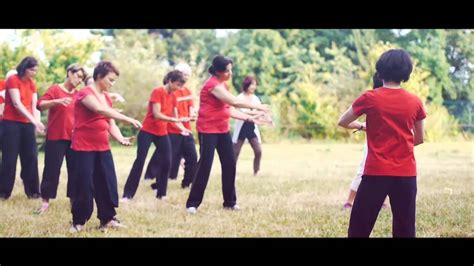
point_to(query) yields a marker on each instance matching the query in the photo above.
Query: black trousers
(162, 155)
(54, 153)
(95, 179)
(1, 140)
(181, 147)
(19, 139)
(209, 143)
(370, 197)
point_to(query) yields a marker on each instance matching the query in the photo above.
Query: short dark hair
(103, 68)
(394, 65)
(377, 81)
(27, 62)
(219, 64)
(174, 76)
(74, 68)
(247, 82)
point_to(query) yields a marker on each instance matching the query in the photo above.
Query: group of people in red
(80, 122)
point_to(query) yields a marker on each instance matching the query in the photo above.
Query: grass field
(299, 193)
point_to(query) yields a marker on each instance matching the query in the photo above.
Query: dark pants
(1, 140)
(19, 139)
(370, 197)
(162, 155)
(208, 143)
(54, 153)
(257, 151)
(181, 146)
(95, 179)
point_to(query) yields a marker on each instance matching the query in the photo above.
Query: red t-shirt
(60, 118)
(391, 115)
(2, 100)
(26, 88)
(2, 88)
(91, 130)
(214, 115)
(183, 110)
(167, 102)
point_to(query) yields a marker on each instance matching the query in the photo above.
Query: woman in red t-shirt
(59, 99)
(2, 105)
(20, 118)
(394, 126)
(215, 110)
(161, 111)
(94, 166)
(182, 142)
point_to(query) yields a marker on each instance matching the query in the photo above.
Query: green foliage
(439, 124)
(309, 76)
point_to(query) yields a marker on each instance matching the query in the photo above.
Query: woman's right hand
(265, 107)
(64, 101)
(186, 132)
(184, 119)
(39, 127)
(134, 122)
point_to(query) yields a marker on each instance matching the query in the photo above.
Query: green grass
(299, 193)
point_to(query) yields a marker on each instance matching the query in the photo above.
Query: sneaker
(114, 223)
(125, 200)
(163, 198)
(233, 208)
(346, 206)
(191, 210)
(76, 228)
(44, 207)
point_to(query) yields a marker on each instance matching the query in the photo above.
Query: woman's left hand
(127, 141)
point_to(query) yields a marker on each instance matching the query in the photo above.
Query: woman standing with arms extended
(216, 108)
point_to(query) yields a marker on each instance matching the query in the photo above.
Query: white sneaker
(76, 228)
(114, 223)
(191, 210)
(125, 200)
(234, 208)
(163, 198)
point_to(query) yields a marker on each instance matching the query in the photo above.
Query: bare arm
(46, 104)
(95, 106)
(157, 114)
(347, 120)
(250, 112)
(236, 114)
(222, 94)
(418, 132)
(185, 98)
(117, 135)
(36, 112)
(16, 100)
(192, 113)
(184, 131)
